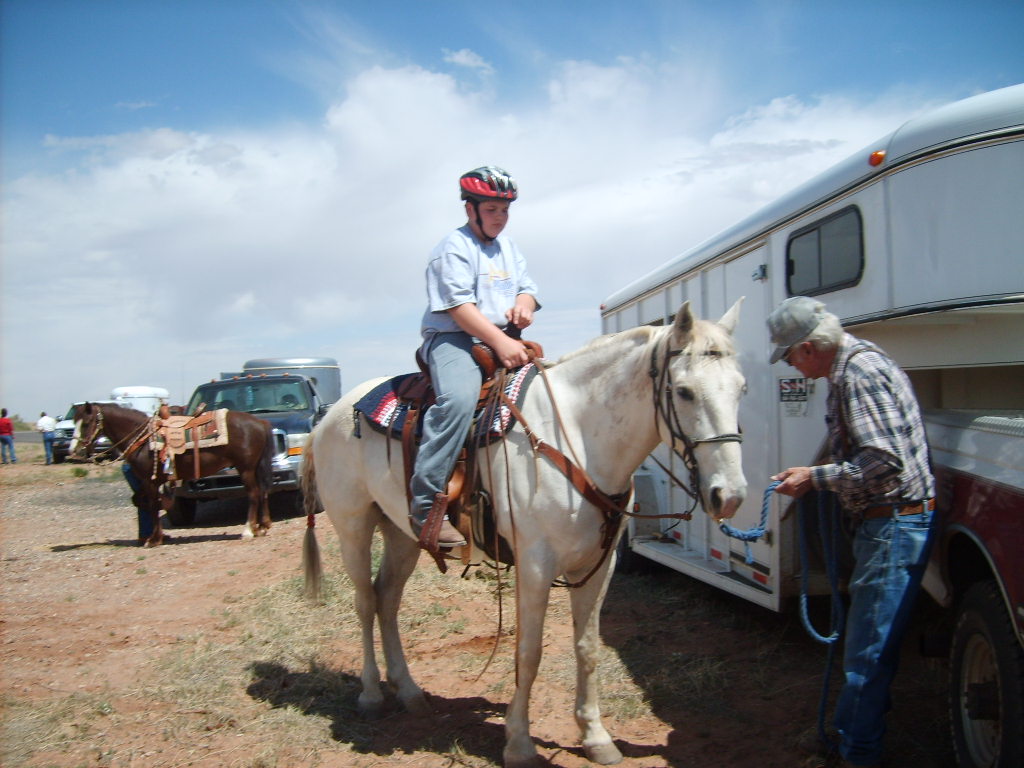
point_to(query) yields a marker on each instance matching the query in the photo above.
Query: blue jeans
(145, 516)
(457, 379)
(48, 445)
(7, 446)
(890, 556)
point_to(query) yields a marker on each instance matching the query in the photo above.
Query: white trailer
(916, 243)
(141, 398)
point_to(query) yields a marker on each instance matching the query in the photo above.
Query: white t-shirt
(462, 271)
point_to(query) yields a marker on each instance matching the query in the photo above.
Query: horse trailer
(917, 244)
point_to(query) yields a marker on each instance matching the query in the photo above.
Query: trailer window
(826, 255)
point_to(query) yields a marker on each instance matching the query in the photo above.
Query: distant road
(28, 437)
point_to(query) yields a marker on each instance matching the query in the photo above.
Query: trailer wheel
(986, 683)
(183, 512)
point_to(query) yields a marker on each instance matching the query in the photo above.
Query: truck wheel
(183, 512)
(986, 683)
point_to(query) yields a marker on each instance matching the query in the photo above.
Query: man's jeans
(7, 447)
(145, 517)
(890, 554)
(457, 379)
(48, 438)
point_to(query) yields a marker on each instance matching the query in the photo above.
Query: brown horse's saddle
(177, 434)
(171, 436)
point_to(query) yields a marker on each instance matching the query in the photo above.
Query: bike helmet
(488, 183)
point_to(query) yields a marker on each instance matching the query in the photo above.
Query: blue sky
(187, 185)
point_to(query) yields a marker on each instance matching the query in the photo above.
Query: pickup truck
(975, 571)
(293, 394)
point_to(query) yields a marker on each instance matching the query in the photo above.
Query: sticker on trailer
(793, 394)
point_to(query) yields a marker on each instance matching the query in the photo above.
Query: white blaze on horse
(607, 405)
(249, 449)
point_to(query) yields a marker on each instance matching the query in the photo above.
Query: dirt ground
(88, 616)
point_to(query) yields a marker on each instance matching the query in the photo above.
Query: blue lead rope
(755, 533)
(828, 529)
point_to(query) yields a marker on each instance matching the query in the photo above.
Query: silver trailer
(916, 243)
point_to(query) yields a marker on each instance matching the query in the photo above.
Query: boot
(434, 524)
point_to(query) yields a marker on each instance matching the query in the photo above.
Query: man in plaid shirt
(879, 469)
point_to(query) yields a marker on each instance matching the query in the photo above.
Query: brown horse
(249, 450)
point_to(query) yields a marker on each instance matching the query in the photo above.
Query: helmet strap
(480, 224)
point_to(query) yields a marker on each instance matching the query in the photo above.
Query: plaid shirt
(875, 433)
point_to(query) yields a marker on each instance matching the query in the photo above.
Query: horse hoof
(535, 761)
(417, 705)
(247, 533)
(370, 712)
(603, 754)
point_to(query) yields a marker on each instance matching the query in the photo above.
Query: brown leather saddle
(469, 507)
(175, 434)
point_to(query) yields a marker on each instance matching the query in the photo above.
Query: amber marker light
(876, 158)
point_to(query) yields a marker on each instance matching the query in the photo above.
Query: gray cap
(793, 320)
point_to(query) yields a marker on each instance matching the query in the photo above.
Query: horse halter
(665, 407)
(97, 430)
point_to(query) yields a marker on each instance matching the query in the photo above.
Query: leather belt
(899, 508)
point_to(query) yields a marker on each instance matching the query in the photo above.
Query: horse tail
(265, 471)
(311, 565)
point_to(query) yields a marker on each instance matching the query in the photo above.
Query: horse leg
(156, 502)
(533, 588)
(257, 521)
(401, 553)
(354, 528)
(586, 615)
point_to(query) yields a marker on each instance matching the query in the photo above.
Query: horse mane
(707, 339)
(639, 335)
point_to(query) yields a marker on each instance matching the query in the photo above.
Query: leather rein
(614, 506)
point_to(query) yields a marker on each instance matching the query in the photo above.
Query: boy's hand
(510, 352)
(521, 314)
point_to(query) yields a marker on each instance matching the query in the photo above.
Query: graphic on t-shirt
(500, 280)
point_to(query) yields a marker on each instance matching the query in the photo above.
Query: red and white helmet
(488, 183)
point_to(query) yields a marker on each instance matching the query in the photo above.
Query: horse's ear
(732, 316)
(683, 324)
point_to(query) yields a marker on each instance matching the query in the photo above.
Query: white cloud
(164, 257)
(469, 59)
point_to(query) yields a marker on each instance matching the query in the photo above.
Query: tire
(986, 683)
(183, 512)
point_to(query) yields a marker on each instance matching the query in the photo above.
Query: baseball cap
(793, 320)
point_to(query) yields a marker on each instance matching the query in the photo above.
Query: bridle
(88, 440)
(665, 407)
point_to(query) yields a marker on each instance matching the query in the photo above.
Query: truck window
(826, 255)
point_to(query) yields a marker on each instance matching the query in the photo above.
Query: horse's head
(88, 418)
(697, 389)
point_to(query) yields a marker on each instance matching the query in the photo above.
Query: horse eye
(685, 392)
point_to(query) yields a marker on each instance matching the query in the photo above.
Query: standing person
(477, 283)
(7, 438)
(48, 426)
(879, 469)
(144, 515)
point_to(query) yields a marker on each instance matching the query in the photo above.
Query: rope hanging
(755, 533)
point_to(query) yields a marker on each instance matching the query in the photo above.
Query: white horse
(607, 405)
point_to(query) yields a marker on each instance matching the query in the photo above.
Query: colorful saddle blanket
(386, 411)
